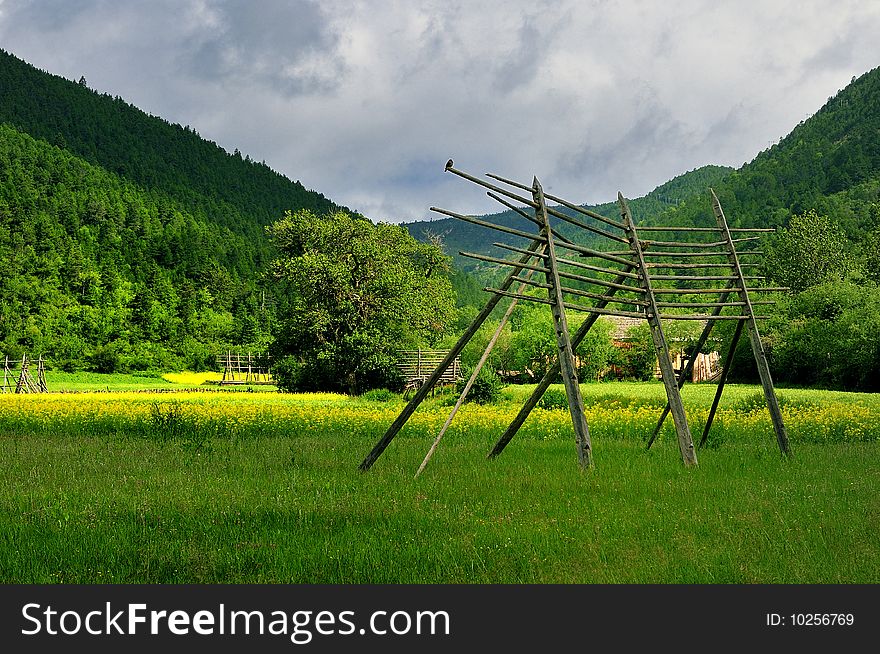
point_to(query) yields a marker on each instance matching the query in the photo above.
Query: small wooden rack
(245, 368)
(417, 365)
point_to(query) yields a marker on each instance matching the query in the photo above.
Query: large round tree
(357, 293)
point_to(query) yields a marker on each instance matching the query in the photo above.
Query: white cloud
(365, 101)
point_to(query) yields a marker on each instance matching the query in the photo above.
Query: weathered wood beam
(660, 228)
(697, 316)
(563, 342)
(576, 264)
(595, 253)
(687, 266)
(657, 253)
(564, 203)
(703, 278)
(684, 244)
(697, 291)
(485, 223)
(754, 336)
(567, 305)
(697, 305)
(587, 294)
(685, 440)
(562, 273)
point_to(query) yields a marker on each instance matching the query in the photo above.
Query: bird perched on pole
(449, 164)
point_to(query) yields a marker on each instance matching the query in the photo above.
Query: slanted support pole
(422, 392)
(566, 352)
(551, 374)
(473, 378)
(728, 360)
(689, 367)
(685, 440)
(21, 385)
(754, 336)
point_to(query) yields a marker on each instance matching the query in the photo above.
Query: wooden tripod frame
(636, 276)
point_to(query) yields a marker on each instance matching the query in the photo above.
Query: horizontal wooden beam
(503, 262)
(704, 278)
(596, 253)
(541, 269)
(722, 253)
(576, 264)
(564, 203)
(567, 305)
(697, 316)
(581, 293)
(684, 266)
(717, 230)
(484, 223)
(685, 244)
(687, 305)
(692, 291)
(616, 312)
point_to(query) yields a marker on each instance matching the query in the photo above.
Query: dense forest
(130, 243)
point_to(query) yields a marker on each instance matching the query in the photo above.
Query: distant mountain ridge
(457, 235)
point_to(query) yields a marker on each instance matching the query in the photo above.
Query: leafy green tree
(359, 293)
(810, 251)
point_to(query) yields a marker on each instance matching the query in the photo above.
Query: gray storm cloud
(365, 101)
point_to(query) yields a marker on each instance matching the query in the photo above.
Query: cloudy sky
(365, 101)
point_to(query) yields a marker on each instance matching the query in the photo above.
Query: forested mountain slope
(227, 189)
(127, 241)
(836, 149)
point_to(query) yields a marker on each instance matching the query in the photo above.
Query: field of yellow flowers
(225, 486)
(612, 413)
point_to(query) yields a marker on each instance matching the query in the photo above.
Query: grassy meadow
(233, 487)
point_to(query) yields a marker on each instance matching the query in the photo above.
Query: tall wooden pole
(754, 336)
(685, 440)
(721, 381)
(566, 352)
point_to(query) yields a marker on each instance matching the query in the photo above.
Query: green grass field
(263, 487)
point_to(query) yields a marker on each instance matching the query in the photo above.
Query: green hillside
(98, 272)
(834, 152)
(201, 176)
(127, 242)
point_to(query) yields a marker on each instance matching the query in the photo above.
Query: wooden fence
(417, 365)
(245, 368)
(17, 377)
